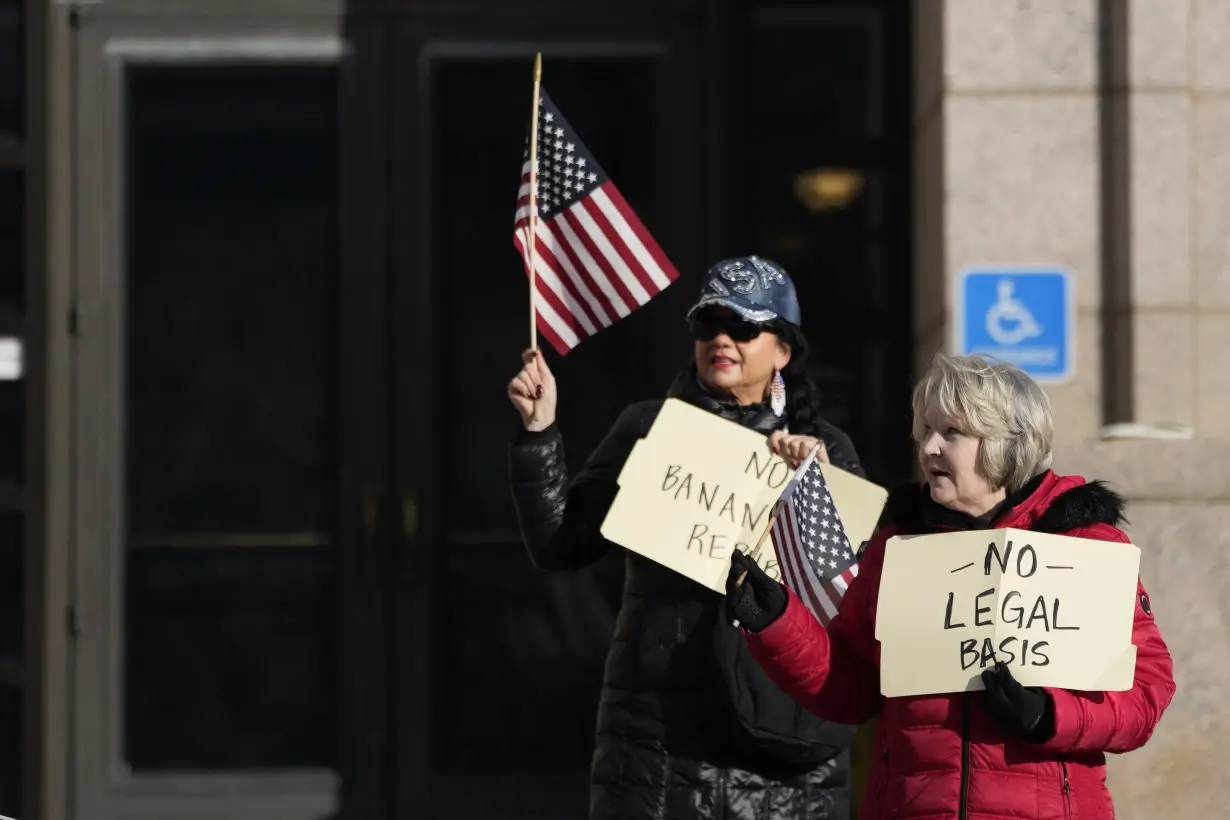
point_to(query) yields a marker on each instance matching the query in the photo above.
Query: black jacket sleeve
(560, 519)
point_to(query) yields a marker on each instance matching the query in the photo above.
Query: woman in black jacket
(689, 726)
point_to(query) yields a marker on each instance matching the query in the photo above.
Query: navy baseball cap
(758, 290)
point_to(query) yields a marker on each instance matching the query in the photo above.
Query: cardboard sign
(1057, 610)
(697, 487)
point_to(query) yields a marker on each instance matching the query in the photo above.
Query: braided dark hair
(802, 395)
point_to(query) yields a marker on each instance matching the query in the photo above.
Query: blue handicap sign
(1018, 315)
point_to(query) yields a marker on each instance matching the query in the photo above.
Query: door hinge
(74, 321)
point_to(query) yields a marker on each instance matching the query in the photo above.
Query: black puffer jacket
(689, 727)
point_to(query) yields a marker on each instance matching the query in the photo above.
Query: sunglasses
(706, 328)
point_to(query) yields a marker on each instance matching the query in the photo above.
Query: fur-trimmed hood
(1049, 503)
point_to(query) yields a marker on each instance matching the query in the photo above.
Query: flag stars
(815, 531)
(564, 167)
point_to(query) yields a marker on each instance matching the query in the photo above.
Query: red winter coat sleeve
(1118, 721)
(833, 673)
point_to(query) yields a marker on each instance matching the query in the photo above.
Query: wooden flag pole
(755, 553)
(777, 508)
(533, 221)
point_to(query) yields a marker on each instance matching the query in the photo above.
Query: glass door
(229, 419)
(499, 667)
(826, 192)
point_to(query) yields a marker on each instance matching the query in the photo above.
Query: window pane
(829, 245)
(855, 376)
(12, 239)
(814, 75)
(811, 196)
(543, 636)
(12, 576)
(10, 752)
(12, 77)
(232, 207)
(823, 188)
(230, 646)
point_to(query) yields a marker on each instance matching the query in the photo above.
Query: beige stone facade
(1094, 135)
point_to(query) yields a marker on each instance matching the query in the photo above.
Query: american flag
(815, 556)
(595, 261)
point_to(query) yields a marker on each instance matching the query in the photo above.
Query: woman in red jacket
(984, 433)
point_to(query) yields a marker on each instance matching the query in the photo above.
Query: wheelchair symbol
(1008, 321)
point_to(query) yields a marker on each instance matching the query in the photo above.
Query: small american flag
(815, 556)
(595, 262)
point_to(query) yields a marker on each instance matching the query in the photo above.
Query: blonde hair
(995, 402)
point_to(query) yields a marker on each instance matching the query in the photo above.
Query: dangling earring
(777, 393)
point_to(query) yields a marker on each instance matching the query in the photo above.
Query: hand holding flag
(815, 556)
(814, 553)
(533, 392)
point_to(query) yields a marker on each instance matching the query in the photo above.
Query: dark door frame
(102, 42)
(514, 33)
(43, 328)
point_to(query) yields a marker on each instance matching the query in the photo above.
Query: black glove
(759, 601)
(1029, 712)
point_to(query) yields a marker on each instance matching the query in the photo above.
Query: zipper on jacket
(1067, 789)
(965, 710)
(882, 781)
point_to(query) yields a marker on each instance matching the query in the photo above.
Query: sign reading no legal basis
(698, 487)
(1057, 610)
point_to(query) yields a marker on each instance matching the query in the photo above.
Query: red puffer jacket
(942, 757)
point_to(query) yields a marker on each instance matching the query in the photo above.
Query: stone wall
(1012, 164)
